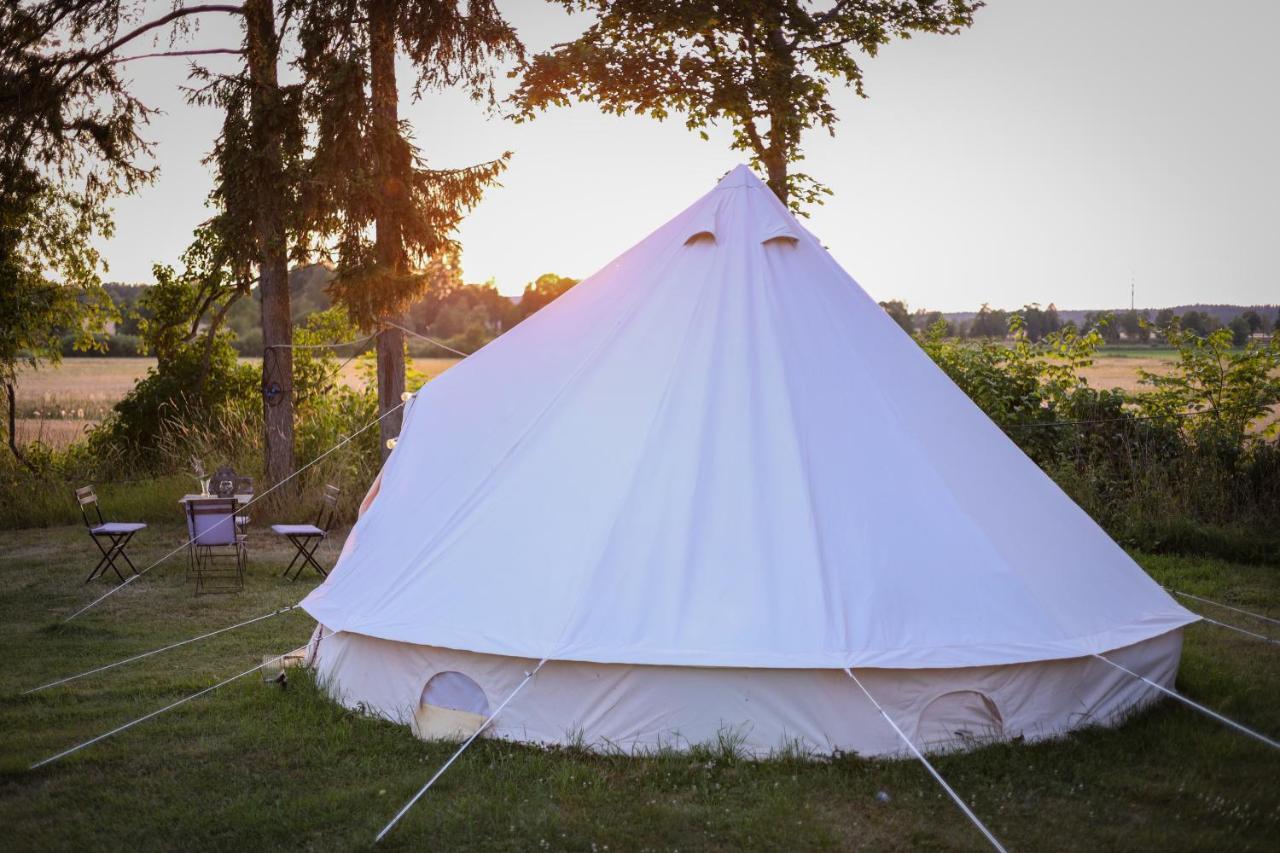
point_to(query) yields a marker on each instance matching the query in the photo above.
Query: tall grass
(1182, 504)
(148, 490)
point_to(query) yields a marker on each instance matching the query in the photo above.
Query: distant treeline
(467, 316)
(1126, 325)
(461, 316)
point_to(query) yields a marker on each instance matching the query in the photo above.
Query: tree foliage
(989, 323)
(1136, 327)
(1227, 390)
(897, 309)
(197, 373)
(766, 67)
(190, 307)
(359, 174)
(1038, 322)
(1020, 381)
(240, 167)
(541, 292)
(68, 124)
(69, 140)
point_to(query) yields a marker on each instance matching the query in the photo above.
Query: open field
(253, 767)
(84, 389)
(57, 403)
(1123, 371)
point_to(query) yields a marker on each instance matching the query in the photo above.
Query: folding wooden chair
(307, 537)
(111, 537)
(217, 550)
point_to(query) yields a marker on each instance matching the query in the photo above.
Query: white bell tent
(700, 485)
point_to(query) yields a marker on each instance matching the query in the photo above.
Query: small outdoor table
(240, 499)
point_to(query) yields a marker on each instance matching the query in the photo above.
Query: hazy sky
(1049, 154)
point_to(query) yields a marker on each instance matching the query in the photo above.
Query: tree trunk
(262, 51)
(390, 383)
(13, 426)
(784, 132)
(388, 243)
(776, 165)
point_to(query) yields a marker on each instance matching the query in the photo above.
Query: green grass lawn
(254, 767)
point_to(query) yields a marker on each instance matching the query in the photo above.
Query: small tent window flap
(778, 232)
(959, 717)
(701, 226)
(456, 692)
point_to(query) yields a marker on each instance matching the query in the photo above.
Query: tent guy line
(1244, 631)
(160, 711)
(138, 657)
(995, 842)
(239, 510)
(405, 808)
(1196, 705)
(442, 346)
(333, 345)
(1258, 616)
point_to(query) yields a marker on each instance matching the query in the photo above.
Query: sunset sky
(1052, 153)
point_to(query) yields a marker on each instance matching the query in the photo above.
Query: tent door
(959, 719)
(452, 707)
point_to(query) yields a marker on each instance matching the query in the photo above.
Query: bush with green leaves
(1023, 385)
(1215, 391)
(1184, 466)
(197, 379)
(194, 385)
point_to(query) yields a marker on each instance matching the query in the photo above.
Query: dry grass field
(1124, 370)
(57, 404)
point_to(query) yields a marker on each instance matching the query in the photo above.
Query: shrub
(1181, 467)
(182, 390)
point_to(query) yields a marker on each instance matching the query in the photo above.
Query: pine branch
(90, 59)
(212, 50)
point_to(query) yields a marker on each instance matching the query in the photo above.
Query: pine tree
(366, 171)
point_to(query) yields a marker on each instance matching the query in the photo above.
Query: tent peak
(767, 220)
(741, 176)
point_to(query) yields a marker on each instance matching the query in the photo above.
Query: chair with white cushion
(216, 547)
(111, 537)
(307, 537)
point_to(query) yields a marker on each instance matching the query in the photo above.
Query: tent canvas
(703, 482)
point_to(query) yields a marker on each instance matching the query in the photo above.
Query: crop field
(56, 404)
(252, 767)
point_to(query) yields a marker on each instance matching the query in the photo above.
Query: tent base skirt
(758, 712)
